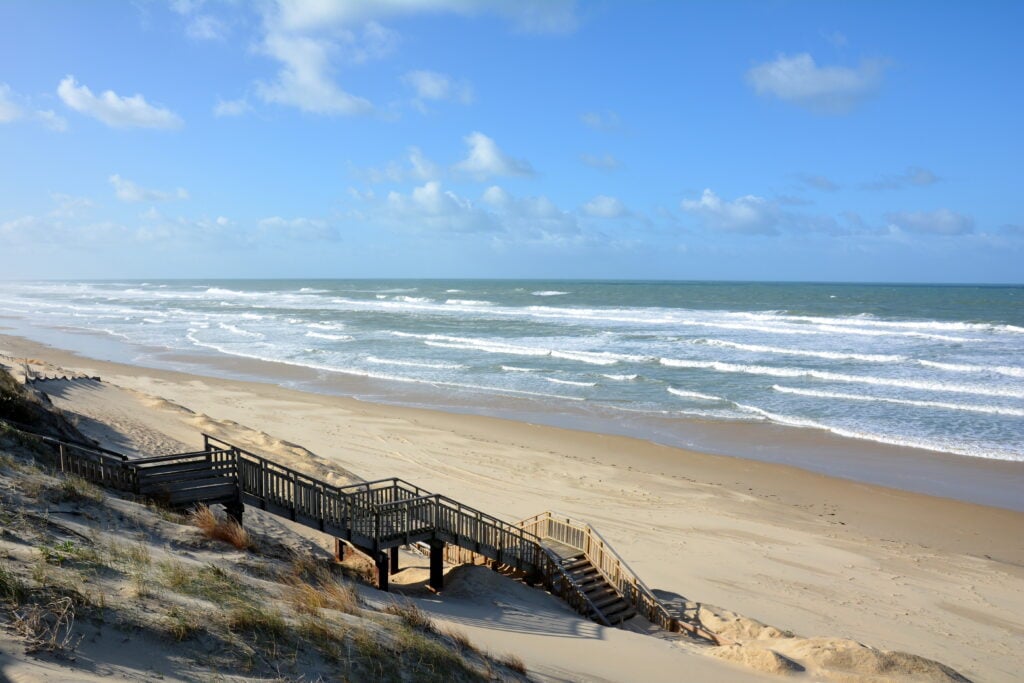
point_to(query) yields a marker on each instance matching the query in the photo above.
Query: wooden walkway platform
(569, 558)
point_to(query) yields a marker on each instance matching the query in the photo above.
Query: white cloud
(818, 182)
(531, 16)
(939, 222)
(748, 214)
(486, 160)
(115, 110)
(830, 89)
(231, 107)
(914, 176)
(416, 167)
(293, 228)
(52, 120)
(603, 206)
(605, 122)
(69, 206)
(127, 191)
(206, 27)
(430, 208)
(431, 85)
(304, 79)
(11, 110)
(602, 161)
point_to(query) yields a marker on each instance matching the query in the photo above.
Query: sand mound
(845, 660)
(736, 627)
(760, 659)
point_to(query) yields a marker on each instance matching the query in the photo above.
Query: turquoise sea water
(935, 367)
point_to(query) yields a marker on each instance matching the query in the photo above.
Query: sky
(859, 141)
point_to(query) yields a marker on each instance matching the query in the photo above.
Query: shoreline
(976, 480)
(799, 550)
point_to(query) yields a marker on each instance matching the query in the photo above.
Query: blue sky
(768, 140)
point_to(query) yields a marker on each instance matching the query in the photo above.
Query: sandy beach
(801, 551)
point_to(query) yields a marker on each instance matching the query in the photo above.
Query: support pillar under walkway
(436, 581)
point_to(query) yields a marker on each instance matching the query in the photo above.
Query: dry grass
(459, 639)
(512, 662)
(74, 489)
(221, 529)
(411, 615)
(49, 627)
(325, 592)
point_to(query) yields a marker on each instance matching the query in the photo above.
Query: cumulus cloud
(914, 176)
(432, 85)
(416, 166)
(748, 214)
(486, 160)
(115, 110)
(818, 182)
(604, 162)
(305, 78)
(430, 208)
(603, 206)
(827, 89)
(939, 222)
(127, 191)
(605, 122)
(231, 107)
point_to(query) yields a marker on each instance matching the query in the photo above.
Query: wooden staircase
(568, 557)
(610, 606)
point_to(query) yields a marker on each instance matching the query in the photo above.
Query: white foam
(239, 331)
(512, 368)
(693, 394)
(550, 293)
(414, 364)
(973, 408)
(719, 366)
(621, 378)
(1008, 370)
(570, 382)
(414, 299)
(830, 355)
(323, 325)
(868, 320)
(940, 445)
(330, 337)
(468, 302)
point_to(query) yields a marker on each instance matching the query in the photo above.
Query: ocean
(939, 368)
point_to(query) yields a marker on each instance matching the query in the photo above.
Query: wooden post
(382, 571)
(339, 550)
(63, 466)
(436, 565)
(394, 560)
(235, 510)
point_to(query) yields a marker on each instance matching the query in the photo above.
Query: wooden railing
(374, 515)
(586, 539)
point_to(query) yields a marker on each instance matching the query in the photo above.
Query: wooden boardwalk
(569, 558)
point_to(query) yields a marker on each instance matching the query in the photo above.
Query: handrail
(644, 599)
(98, 450)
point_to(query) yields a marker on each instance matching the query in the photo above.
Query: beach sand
(804, 552)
